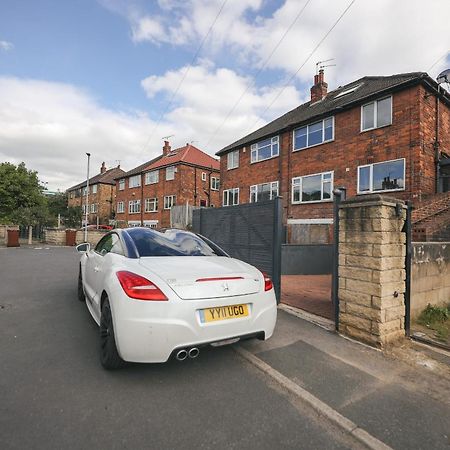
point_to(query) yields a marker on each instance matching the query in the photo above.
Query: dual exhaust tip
(183, 354)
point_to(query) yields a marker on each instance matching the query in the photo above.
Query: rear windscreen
(171, 243)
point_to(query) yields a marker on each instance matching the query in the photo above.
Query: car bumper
(151, 331)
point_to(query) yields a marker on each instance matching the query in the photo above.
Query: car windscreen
(171, 243)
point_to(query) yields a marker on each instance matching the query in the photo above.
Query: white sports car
(155, 294)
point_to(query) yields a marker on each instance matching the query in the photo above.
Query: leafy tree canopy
(22, 200)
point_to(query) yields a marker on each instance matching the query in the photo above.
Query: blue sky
(98, 75)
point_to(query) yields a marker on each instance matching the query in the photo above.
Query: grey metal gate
(251, 232)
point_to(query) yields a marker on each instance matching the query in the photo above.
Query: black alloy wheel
(109, 356)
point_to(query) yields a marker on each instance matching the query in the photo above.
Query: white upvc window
(269, 148)
(83, 209)
(231, 197)
(134, 223)
(93, 207)
(134, 206)
(215, 183)
(376, 114)
(170, 173)
(152, 177)
(134, 181)
(85, 190)
(121, 184)
(203, 176)
(263, 192)
(382, 176)
(151, 204)
(233, 160)
(120, 207)
(317, 187)
(151, 223)
(94, 188)
(169, 201)
(314, 134)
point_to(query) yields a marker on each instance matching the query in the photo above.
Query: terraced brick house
(186, 175)
(378, 134)
(102, 191)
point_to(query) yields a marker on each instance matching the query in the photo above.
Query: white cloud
(50, 126)
(376, 38)
(6, 46)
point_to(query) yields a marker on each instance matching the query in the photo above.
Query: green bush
(432, 314)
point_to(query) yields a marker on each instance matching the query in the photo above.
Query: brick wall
(187, 186)
(410, 136)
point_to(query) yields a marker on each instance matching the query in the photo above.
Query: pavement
(306, 387)
(400, 398)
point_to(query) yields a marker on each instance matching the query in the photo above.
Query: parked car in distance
(157, 294)
(98, 227)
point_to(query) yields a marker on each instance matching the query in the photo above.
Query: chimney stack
(166, 148)
(319, 90)
(103, 168)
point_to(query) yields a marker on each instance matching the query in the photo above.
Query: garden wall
(430, 276)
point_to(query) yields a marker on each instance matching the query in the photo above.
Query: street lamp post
(87, 199)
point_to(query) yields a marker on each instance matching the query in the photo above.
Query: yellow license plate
(223, 313)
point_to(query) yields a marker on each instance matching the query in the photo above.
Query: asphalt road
(55, 394)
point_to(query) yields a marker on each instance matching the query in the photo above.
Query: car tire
(81, 296)
(109, 356)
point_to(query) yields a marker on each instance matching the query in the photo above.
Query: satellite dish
(444, 77)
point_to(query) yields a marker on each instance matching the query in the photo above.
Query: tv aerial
(321, 64)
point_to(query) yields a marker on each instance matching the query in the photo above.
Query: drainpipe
(142, 199)
(436, 145)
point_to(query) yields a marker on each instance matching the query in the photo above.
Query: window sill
(381, 192)
(375, 128)
(312, 202)
(262, 160)
(232, 168)
(150, 212)
(312, 146)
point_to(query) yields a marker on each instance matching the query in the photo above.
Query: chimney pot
(103, 168)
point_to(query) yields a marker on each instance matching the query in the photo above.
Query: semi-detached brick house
(182, 176)
(388, 134)
(102, 190)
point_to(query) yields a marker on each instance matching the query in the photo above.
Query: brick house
(102, 190)
(378, 134)
(186, 175)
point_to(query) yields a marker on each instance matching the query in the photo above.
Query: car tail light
(139, 287)
(268, 285)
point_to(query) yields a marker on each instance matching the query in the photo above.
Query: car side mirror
(84, 247)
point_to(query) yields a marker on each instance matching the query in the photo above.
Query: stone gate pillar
(372, 249)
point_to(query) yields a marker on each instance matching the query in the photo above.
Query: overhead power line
(438, 60)
(188, 68)
(252, 83)
(304, 62)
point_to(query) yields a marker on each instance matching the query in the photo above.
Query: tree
(22, 200)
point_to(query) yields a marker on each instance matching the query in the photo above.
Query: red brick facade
(192, 184)
(411, 136)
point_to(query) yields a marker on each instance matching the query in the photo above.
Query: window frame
(255, 149)
(94, 188)
(173, 201)
(260, 184)
(149, 201)
(294, 149)
(375, 111)
(301, 202)
(371, 191)
(134, 177)
(135, 203)
(122, 184)
(203, 176)
(147, 177)
(213, 181)
(227, 191)
(173, 170)
(234, 152)
(94, 208)
(122, 209)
